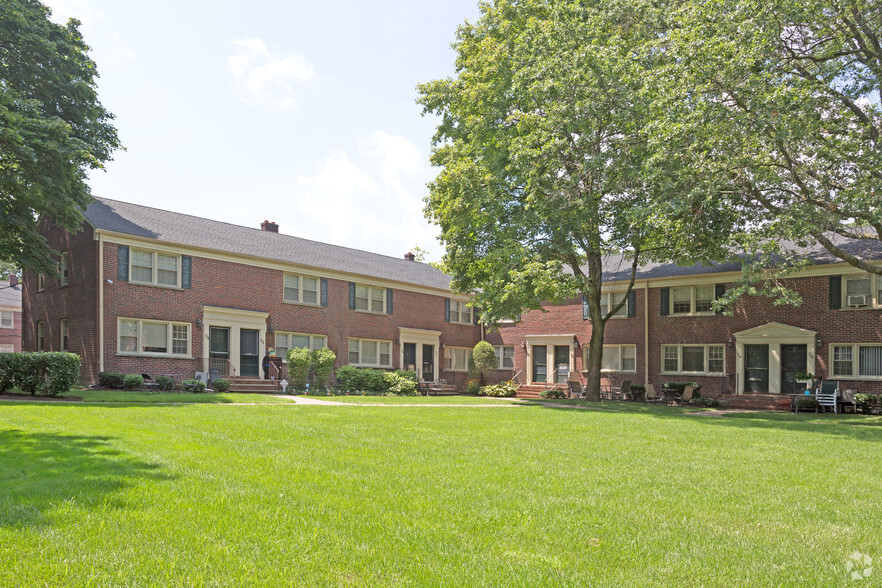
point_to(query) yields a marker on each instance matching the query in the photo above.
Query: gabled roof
(183, 229)
(10, 297)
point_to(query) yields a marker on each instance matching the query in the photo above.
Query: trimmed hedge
(112, 380)
(501, 390)
(221, 385)
(371, 382)
(553, 393)
(47, 374)
(133, 381)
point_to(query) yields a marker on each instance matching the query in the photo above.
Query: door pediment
(776, 331)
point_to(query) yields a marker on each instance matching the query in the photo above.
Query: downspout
(100, 302)
(646, 332)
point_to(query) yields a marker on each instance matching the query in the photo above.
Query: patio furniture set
(626, 392)
(828, 397)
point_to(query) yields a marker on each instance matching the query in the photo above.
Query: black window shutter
(632, 304)
(352, 295)
(388, 300)
(447, 310)
(324, 292)
(186, 271)
(123, 271)
(719, 292)
(665, 301)
(586, 313)
(475, 315)
(835, 292)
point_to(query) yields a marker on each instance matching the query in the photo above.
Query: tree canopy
(776, 105)
(53, 129)
(545, 175)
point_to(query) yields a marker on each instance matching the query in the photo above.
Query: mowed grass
(193, 495)
(428, 400)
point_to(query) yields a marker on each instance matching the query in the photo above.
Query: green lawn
(200, 494)
(139, 396)
(466, 400)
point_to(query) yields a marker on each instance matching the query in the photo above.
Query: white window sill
(151, 285)
(295, 303)
(618, 371)
(374, 312)
(366, 365)
(857, 378)
(702, 374)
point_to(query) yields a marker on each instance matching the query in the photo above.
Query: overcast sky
(298, 112)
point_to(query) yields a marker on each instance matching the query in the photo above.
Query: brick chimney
(409, 256)
(269, 227)
(13, 280)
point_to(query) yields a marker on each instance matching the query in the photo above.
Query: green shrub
(39, 373)
(310, 369)
(709, 402)
(221, 385)
(808, 404)
(409, 375)
(132, 381)
(473, 387)
(484, 358)
(553, 393)
(866, 403)
(194, 385)
(112, 380)
(501, 390)
(398, 385)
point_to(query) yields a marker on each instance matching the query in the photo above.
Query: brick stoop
(244, 384)
(533, 390)
(756, 401)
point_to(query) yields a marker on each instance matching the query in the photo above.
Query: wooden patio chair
(149, 383)
(685, 397)
(574, 384)
(653, 396)
(847, 400)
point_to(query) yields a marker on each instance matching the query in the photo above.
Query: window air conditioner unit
(857, 301)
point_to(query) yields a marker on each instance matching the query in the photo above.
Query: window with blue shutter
(665, 301)
(324, 292)
(388, 300)
(835, 292)
(352, 295)
(447, 310)
(632, 304)
(123, 263)
(186, 271)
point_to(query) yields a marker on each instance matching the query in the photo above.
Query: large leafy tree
(53, 129)
(777, 103)
(544, 183)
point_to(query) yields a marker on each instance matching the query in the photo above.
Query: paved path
(722, 413)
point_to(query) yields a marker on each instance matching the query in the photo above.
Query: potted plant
(805, 378)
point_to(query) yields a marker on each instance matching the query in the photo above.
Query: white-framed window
(856, 360)
(41, 336)
(862, 291)
(692, 300)
(370, 298)
(152, 267)
(693, 359)
(370, 353)
(41, 282)
(7, 319)
(460, 312)
(617, 358)
(286, 341)
(148, 337)
(456, 359)
(62, 334)
(504, 357)
(7, 348)
(607, 298)
(64, 268)
(301, 289)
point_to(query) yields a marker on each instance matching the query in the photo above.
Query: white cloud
(82, 10)
(265, 79)
(371, 200)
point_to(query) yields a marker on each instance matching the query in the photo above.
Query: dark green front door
(756, 368)
(794, 360)
(540, 364)
(249, 352)
(561, 363)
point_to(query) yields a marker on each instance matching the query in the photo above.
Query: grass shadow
(39, 472)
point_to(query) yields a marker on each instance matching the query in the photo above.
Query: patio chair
(685, 397)
(575, 386)
(625, 391)
(848, 400)
(653, 396)
(828, 396)
(149, 383)
(213, 374)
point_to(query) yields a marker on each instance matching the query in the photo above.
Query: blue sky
(302, 113)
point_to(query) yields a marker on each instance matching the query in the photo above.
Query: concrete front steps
(756, 401)
(245, 384)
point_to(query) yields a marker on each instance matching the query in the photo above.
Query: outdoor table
(794, 400)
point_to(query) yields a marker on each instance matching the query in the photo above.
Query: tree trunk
(595, 355)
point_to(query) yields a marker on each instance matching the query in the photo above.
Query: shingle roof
(10, 296)
(618, 268)
(184, 229)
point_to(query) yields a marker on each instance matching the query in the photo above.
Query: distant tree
(545, 163)
(53, 130)
(6, 269)
(776, 105)
(421, 255)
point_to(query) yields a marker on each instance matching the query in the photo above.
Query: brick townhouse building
(148, 290)
(10, 315)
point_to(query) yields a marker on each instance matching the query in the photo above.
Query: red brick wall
(12, 336)
(77, 302)
(234, 285)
